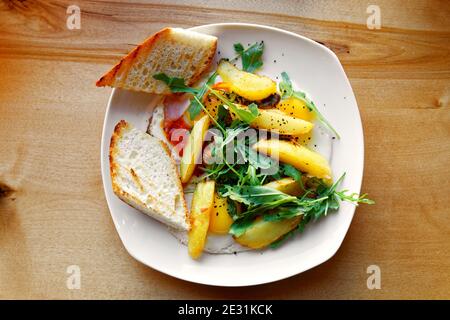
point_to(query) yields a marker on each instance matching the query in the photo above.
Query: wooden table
(52, 209)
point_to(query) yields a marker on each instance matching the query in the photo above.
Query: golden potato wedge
(296, 155)
(303, 139)
(296, 108)
(202, 203)
(286, 185)
(247, 85)
(212, 104)
(277, 121)
(220, 220)
(193, 149)
(262, 233)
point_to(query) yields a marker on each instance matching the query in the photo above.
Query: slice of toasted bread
(174, 51)
(145, 176)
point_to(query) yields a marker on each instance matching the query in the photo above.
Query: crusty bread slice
(145, 176)
(174, 51)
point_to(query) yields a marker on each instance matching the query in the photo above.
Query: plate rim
(327, 255)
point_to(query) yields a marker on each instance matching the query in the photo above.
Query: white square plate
(316, 70)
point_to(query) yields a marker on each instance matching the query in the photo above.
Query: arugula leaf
(232, 209)
(354, 197)
(239, 48)
(283, 212)
(195, 106)
(175, 84)
(250, 177)
(259, 197)
(224, 172)
(285, 87)
(244, 115)
(255, 159)
(274, 205)
(295, 174)
(292, 172)
(251, 57)
(232, 133)
(222, 116)
(247, 169)
(239, 227)
(253, 109)
(178, 85)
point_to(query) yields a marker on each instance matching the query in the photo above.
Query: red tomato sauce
(180, 139)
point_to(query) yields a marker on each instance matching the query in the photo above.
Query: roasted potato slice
(212, 104)
(193, 149)
(262, 233)
(303, 139)
(277, 121)
(220, 221)
(296, 108)
(248, 85)
(296, 155)
(202, 203)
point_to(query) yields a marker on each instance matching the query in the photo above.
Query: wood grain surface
(52, 208)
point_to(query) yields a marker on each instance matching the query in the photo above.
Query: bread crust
(125, 63)
(122, 68)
